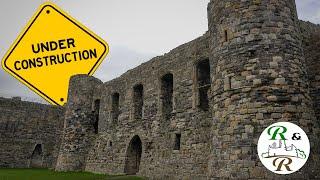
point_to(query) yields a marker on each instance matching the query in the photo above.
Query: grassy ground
(45, 174)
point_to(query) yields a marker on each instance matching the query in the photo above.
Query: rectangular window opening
(226, 38)
(177, 142)
(167, 95)
(115, 106)
(203, 84)
(96, 115)
(138, 101)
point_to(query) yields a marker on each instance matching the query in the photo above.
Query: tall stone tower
(80, 124)
(259, 78)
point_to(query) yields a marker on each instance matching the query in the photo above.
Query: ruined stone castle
(194, 113)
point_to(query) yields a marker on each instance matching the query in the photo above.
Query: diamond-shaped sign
(52, 48)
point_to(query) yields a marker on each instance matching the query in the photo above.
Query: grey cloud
(309, 10)
(119, 60)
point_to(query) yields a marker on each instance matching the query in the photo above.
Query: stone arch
(36, 157)
(133, 156)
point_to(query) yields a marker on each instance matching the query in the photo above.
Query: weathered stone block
(280, 81)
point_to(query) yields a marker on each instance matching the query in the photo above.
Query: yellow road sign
(53, 47)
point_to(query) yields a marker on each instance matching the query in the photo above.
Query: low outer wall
(23, 125)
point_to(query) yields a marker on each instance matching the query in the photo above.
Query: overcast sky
(136, 30)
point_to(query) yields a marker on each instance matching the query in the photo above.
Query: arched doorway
(36, 157)
(133, 156)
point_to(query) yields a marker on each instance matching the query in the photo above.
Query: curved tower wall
(79, 125)
(259, 79)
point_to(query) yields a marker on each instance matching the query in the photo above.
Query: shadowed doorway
(36, 157)
(133, 156)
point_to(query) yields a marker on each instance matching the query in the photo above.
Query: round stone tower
(80, 126)
(259, 78)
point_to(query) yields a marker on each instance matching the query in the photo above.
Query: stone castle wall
(197, 111)
(24, 125)
(260, 78)
(79, 124)
(156, 131)
(311, 43)
(261, 100)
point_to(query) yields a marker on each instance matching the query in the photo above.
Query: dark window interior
(177, 142)
(226, 38)
(115, 106)
(203, 83)
(167, 95)
(138, 100)
(96, 115)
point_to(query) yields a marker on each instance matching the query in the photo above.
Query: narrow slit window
(138, 101)
(96, 115)
(226, 38)
(177, 142)
(115, 106)
(167, 95)
(203, 83)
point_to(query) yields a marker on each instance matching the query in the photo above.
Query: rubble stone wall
(260, 78)
(23, 125)
(194, 113)
(157, 132)
(311, 43)
(262, 70)
(79, 129)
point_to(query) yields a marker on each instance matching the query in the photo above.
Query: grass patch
(45, 174)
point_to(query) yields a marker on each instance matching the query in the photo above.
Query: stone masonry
(30, 134)
(196, 112)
